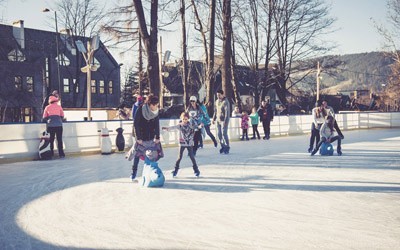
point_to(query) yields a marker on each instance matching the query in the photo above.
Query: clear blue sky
(355, 31)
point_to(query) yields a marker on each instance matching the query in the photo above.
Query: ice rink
(264, 195)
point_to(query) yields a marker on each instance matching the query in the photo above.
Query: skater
(207, 123)
(53, 115)
(236, 112)
(135, 107)
(318, 114)
(254, 123)
(147, 126)
(122, 113)
(330, 111)
(196, 114)
(327, 135)
(245, 126)
(266, 117)
(221, 116)
(186, 129)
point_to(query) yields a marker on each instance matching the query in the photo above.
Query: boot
(196, 171)
(175, 172)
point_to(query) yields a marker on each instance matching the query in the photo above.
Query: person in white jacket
(318, 114)
(327, 133)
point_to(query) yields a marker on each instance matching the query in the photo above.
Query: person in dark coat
(147, 126)
(266, 116)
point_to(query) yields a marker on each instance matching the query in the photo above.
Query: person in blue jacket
(207, 123)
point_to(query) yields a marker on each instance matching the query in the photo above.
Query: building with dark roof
(31, 67)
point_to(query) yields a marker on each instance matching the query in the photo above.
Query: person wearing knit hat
(53, 115)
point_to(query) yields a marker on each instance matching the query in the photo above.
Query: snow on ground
(264, 195)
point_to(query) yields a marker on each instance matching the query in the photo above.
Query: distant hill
(365, 71)
(342, 73)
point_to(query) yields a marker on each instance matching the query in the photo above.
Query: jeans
(223, 134)
(56, 131)
(208, 131)
(191, 155)
(255, 131)
(267, 127)
(314, 135)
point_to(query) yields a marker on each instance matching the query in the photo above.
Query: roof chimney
(19, 33)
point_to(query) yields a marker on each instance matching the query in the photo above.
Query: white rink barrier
(21, 141)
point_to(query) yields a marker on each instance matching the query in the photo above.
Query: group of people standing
(263, 114)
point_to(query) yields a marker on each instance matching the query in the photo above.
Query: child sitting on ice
(186, 129)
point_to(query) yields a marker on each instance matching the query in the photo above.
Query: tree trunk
(227, 50)
(150, 43)
(184, 57)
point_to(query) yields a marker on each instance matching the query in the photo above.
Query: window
(66, 85)
(64, 61)
(101, 87)
(29, 83)
(93, 86)
(18, 83)
(96, 62)
(110, 87)
(16, 56)
(77, 85)
(27, 114)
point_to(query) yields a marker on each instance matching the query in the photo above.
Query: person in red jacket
(53, 115)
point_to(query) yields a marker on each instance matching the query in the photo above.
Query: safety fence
(21, 141)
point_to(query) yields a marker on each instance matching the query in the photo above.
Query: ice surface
(264, 195)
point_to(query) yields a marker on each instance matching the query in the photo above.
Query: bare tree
(391, 37)
(227, 49)
(209, 49)
(81, 18)
(150, 40)
(184, 55)
(298, 26)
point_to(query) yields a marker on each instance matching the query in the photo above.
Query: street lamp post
(92, 46)
(58, 54)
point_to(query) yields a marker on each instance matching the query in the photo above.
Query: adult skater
(221, 116)
(196, 114)
(331, 112)
(207, 123)
(147, 126)
(327, 135)
(266, 116)
(135, 107)
(53, 115)
(318, 114)
(186, 129)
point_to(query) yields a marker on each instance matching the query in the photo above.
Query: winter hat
(193, 98)
(53, 99)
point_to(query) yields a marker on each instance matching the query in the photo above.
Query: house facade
(33, 63)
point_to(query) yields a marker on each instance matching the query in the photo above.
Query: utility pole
(140, 64)
(318, 75)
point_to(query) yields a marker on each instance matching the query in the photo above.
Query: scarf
(147, 113)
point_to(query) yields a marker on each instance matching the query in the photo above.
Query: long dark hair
(330, 121)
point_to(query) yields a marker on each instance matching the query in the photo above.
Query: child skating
(245, 126)
(186, 134)
(254, 123)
